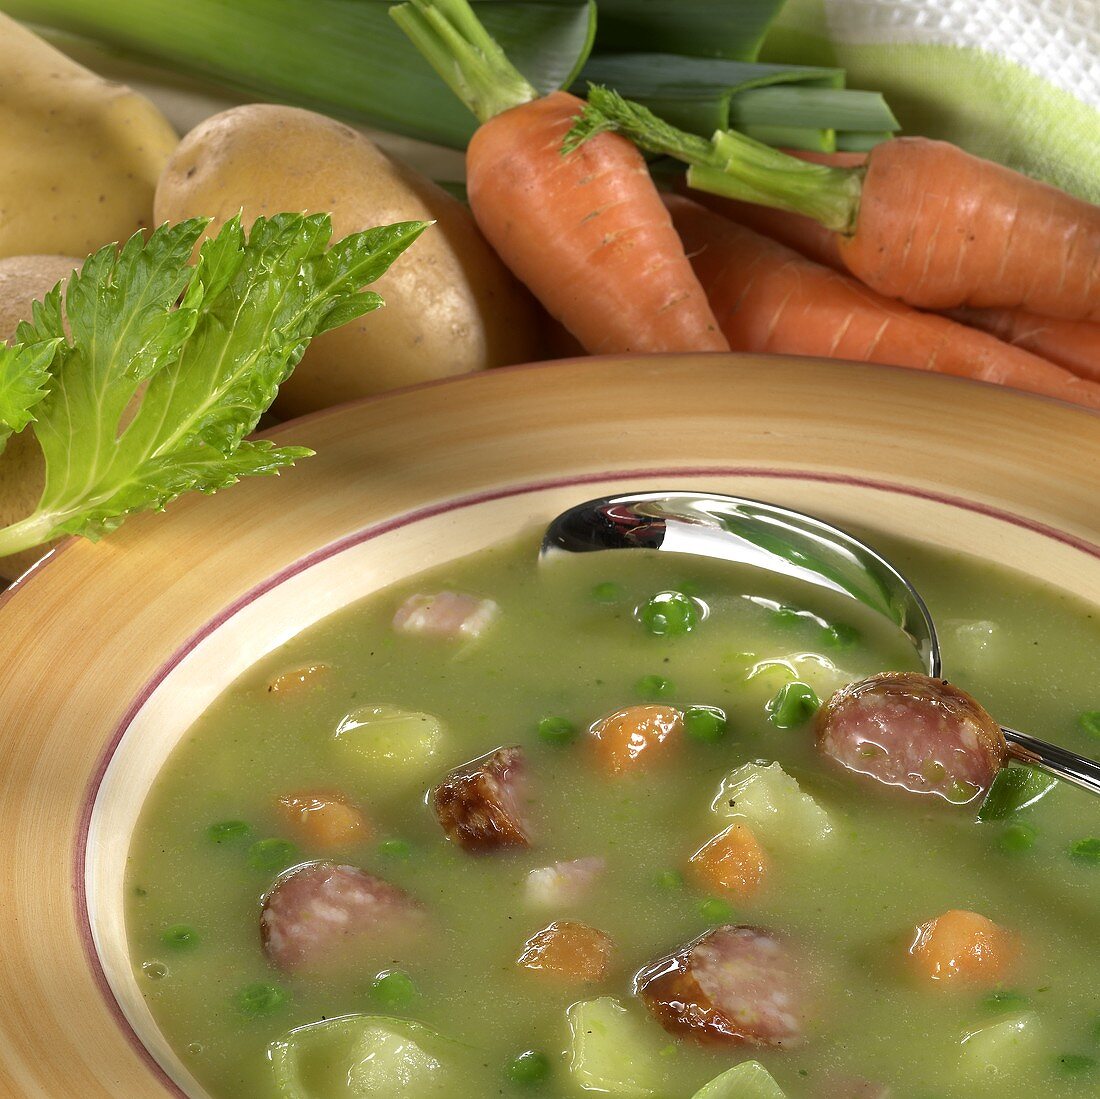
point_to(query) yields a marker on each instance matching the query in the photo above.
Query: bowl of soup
(328, 787)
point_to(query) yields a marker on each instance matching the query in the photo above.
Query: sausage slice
(923, 735)
(315, 909)
(735, 985)
(480, 804)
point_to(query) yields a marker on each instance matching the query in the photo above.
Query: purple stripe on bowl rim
(368, 534)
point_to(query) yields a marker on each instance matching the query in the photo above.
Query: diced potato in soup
(571, 830)
(770, 801)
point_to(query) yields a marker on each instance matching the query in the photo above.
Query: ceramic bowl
(109, 652)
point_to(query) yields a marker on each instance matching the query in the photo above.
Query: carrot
(323, 821)
(732, 862)
(631, 739)
(297, 680)
(923, 221)
(963, 947)
(587, 233)
(568, 951)
(769, 298)
(1072, 344)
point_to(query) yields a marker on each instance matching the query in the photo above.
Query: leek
(733, 29)
(344, 57)
(801, 106)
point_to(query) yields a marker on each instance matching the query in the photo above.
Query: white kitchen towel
(1015, 80)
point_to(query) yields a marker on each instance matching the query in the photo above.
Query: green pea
(529, 1067)
(393, 990)
(272, 854)
(395, 849)
(705, 723)
(1003, 1000)
(557, 730)
(226, 831)
(607, 592)
(1017, 838)
(669, 614)
(1086, 850)
(653, 687)
(714, 910)
(840, 636)
(1089, 722)
(1075, 1064)
(794, 704)
(179, 937)
(669, 879)
(261, 999)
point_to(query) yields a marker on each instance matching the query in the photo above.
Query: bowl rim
(38, 584)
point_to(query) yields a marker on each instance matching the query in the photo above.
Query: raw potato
(81, 155)
(451, 305)
(23, 280)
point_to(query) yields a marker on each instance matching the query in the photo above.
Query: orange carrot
(632, 739)
(297, 680)
(769, 298)
(587, 233)
(732, 862)
(568, 951)
(323, 821)
(963, 947)
(923, 221)
(940, 228)
(1072, 344)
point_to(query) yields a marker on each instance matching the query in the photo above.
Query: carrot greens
(728, 163)
(165, 366)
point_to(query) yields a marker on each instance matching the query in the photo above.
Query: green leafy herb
(1013, 789)
(24, 375)
(170, 365)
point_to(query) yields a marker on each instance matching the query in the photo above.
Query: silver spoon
(749, 532)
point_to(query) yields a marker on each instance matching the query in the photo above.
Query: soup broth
(573, 641)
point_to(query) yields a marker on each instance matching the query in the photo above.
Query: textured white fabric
(1058, 40)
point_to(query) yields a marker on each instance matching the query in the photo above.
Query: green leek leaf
(733, 29)
(1013, 789)
(343, 57)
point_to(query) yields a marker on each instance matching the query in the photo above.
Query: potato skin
(451, 305)
(81, 155)
(23, 280)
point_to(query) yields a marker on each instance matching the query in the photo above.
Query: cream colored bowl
(109, 652)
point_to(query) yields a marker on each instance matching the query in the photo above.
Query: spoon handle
(1056, 761)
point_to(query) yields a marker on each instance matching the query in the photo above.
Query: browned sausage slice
(480, 804)
(737, 985)
(920, 734)
(319, 907)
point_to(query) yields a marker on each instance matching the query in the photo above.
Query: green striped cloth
(1014, 80)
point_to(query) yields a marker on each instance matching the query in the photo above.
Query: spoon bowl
(792, 544)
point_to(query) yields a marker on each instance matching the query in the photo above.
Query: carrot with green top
(1074, 345)
(768, 298)
(587, 234)
(922, 221)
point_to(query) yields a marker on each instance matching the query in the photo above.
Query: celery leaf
(24, 378)
(170, 365)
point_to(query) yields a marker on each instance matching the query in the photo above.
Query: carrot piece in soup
(569, 951)
(963, 947)
(631, 739)
(323, 821)
(297, 680)
(732, 862)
